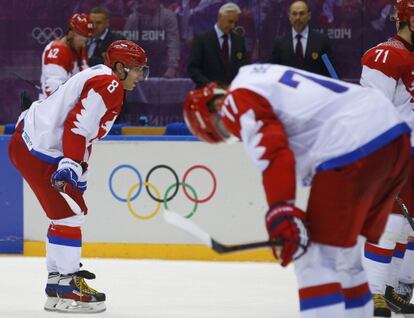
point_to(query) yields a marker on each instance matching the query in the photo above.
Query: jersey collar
(407, 45)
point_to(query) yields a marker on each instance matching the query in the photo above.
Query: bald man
(301, 47)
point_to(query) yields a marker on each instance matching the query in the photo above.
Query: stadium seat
(9, 128)
(177, 128)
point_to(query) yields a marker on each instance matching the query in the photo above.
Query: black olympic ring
(177, 183)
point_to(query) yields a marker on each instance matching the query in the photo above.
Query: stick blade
(186, 225)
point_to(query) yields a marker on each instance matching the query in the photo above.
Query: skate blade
(73, 306)
(50, 304)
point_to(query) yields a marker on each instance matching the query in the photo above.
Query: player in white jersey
(348, 142)
(389, 67)
(51, 147)
(67, 56)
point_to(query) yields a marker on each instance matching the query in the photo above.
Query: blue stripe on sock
(410, 246)
(377, 258)
(359, 301)
(398, 254)
(321, 301)
(64, 241)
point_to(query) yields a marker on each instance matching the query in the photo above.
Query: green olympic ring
(183, 184)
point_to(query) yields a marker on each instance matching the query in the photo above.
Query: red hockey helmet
(126, 52)
(405, 9)
(200, 117)
(81, 24)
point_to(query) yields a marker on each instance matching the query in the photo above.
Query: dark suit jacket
(283, 52)
(206, 63)
(110, 37)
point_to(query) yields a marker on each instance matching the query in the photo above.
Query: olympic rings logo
(154, 192)
(45, 35)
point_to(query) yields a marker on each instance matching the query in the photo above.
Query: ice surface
(159, 289)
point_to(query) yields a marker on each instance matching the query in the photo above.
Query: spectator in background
(155, 28)
(301, 47)
(65, 57)
(102, 36)
(218, 54)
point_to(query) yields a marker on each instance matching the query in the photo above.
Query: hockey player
(51, 147)
(328, 133)
(65, 57)
(389, 67)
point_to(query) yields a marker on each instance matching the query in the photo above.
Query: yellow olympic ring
(157, 207)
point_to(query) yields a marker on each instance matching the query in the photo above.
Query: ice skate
(75, 296)
(51, 287)
(405, 291)
(381, 308)
(398, 304)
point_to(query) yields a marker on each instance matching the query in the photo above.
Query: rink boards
(132, 179)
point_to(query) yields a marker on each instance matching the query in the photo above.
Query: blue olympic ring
(139, 178)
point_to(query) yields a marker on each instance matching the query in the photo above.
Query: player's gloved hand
(83, 180)
(82, 183)
(285, 221)
(66, 177)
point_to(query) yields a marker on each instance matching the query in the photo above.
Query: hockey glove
(285, 221)
(83, 180)
(65, 178)
(82, 183)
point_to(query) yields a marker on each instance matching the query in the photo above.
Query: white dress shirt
(92, 42)
(303, 40)
(221, 40)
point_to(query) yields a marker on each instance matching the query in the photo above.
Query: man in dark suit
(301, 47)
(102, 36)
(218, 54)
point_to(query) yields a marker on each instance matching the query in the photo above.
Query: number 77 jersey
(326, 123)
(389, 67)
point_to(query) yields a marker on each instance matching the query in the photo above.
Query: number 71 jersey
(327, 123)
(389, 67)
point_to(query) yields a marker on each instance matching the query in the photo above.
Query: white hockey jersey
(389, 67)
(59, 62)
(79, 112)
(295, 122)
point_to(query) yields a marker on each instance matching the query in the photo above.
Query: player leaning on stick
(299, 125)
(51, 148)
(389, 67)
(67, 56)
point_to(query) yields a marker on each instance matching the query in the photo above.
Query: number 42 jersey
(326, 123)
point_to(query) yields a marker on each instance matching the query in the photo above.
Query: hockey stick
(329, 66)
(190, 227)
(404, 211)
(26, 80)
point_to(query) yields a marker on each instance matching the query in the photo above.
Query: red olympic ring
(214, 184)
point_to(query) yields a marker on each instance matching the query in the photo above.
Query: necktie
(299, 50)
(98, 44)
(225, 52)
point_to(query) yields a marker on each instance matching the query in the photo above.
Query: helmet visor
(142, 71)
